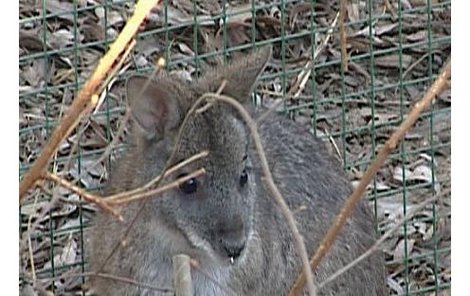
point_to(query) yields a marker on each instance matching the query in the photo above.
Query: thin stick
(82, 101)
(387, 148)
(343, 38)
(382, 239)
(271, 185)
(86, 195)
(159, 190)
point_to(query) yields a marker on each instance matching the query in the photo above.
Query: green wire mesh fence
(395, 49)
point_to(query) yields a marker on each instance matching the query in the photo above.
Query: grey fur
(224, 217)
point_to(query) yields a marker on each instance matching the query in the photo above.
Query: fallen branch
(87, 95)
(388, 147)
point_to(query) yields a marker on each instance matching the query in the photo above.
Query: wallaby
(226, 219)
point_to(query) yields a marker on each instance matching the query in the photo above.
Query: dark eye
(243, 178)
(188, 187)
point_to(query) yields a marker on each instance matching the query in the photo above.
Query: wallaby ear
(241, 75)
(155, 108)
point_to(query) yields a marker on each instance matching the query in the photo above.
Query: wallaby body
(226, 220)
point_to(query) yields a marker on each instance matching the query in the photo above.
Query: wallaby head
(213, 212)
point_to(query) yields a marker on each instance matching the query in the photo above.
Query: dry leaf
(393, 61)
(421, 173)
(399, 252)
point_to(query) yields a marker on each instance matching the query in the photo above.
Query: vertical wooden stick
(182, 275)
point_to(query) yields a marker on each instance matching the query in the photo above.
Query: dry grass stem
(85, 95)
(376, 246)
(369, 174)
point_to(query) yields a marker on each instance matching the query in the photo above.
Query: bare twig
(84, 194)
(270, 183)
(301, 80)
(343, 38)
(183, 283)
(388, 147)
(86, 96)
(375, 247)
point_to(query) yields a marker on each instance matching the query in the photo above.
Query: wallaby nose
(231, 236)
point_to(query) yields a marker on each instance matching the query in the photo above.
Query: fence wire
(395, 50)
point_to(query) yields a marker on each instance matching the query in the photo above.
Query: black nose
(231, 235)
(233, 249)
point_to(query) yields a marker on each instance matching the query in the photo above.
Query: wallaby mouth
(234, 250)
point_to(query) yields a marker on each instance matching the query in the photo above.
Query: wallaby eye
(188, 187)
(243, 178)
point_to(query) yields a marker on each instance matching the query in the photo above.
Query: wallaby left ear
(241, 75)
(156, 110)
